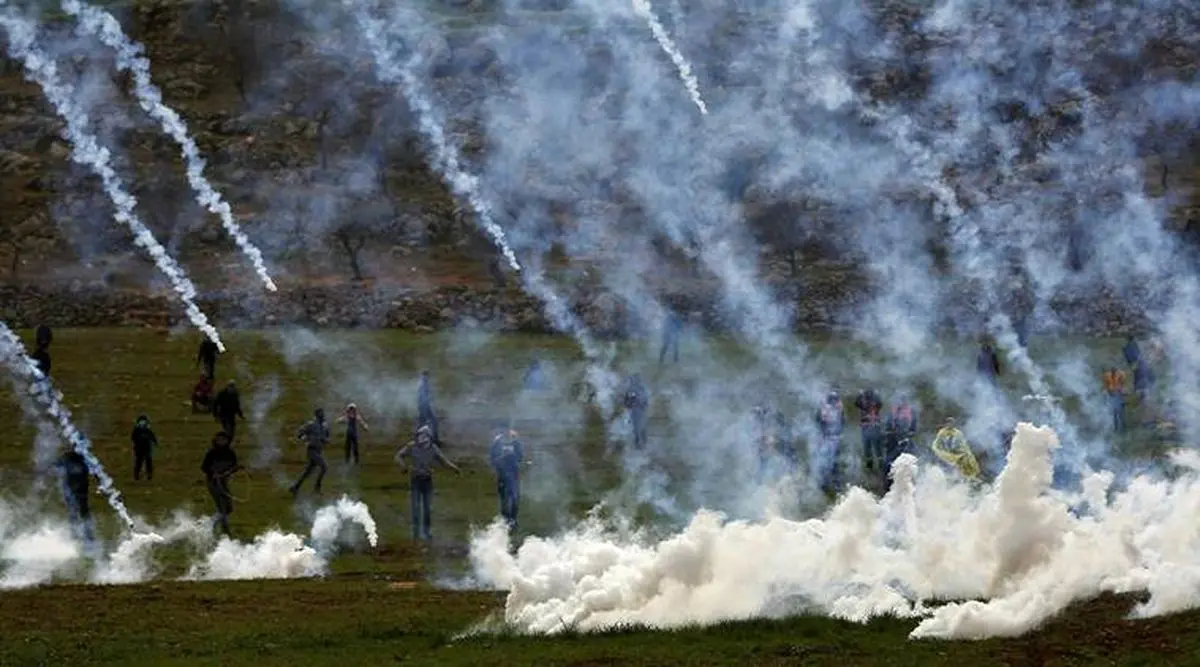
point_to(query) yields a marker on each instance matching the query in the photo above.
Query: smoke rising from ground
(1021, 551)
(39, 550)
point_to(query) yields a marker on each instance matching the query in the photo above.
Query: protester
(422, 452)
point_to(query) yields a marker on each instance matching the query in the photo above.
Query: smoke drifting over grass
(38, 550)
(1021, 551)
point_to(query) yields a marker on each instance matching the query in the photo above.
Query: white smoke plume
(85, 149)
(1017, 551)
(646, 11)
(28, 379)
(329, 521)
(98, 22)
(382, 44)
(448, 162)
(38, 551)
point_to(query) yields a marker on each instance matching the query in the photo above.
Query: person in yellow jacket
(951, 446)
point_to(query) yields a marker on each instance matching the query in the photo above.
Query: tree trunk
(352, 247)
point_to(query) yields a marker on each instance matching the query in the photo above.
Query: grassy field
(380, 606)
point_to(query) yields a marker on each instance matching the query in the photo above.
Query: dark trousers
(422, 499)
(80, 514)
(143, 458)
(228, 424)
(352, 448)
(639, 419)
(316, 462)
(874, 444)
(509, 490)
(210, 368)
(218, 488)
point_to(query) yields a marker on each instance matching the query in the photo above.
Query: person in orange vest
(1114, 387)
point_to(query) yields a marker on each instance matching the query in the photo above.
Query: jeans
(352, 448)
(218, 488)
(639, 419)
(422, 498)
(315, 462)
(509, 490)
(1116, 403)
(874, 456)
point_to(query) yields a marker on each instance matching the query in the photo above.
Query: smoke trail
(103, 25)
(446, 156)
(50, 399)
(449, 163)
(644, 10)
(85, 149)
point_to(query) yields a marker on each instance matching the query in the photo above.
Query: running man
(422, 453)
(314, 435)
(353, 419)
(506, 457)
(220, 462)
(951, 446)
(144, 443)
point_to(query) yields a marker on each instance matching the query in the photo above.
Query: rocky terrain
(403, 253)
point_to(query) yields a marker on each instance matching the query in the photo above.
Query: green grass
(368, 611)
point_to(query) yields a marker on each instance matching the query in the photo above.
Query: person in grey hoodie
(419, 457)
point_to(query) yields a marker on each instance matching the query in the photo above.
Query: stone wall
(820, 306)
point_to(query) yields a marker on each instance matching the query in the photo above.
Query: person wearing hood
(419, 456)
(353, 419)
(315, 435)
(144, 443)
